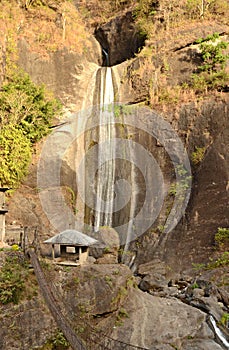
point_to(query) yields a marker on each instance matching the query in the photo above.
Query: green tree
(25, 104)
(212, 53)
(13, 275)
(211, 74)
(15, 155)
(26, 114)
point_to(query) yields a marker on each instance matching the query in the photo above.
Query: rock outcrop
(66, 73)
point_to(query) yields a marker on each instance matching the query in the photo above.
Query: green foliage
(121, 295)
(76, 280)
(60, 340)
(182, 184)
(160, 228)
(27, 105)
(198, 266)
(15, 155)
(195, 285)
(209, 81)
(211, 74)
(222, 236)
(212, 53)
(109, 280)
(198, 155)
(172, 190)
(12, 278)
(224, 319)
(223, 260)
(26, 113)
(106, 250)
(210, 37)
(122, 313)
(144, 13)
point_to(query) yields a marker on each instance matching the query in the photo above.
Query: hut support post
(2, 228)
(80, 254)
(53, 252)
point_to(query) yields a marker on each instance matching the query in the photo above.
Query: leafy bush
(198, 155)
(222, 236)
(181, 185)
(212, 54)
(12, 278)
(223, 260)
(224, 321)
(144, 14)
(211, 74)
(27, 105)
(26, 113)
(60, 340)
(15, 155)
(209, 81)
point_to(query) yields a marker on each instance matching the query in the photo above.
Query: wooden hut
(72, 244)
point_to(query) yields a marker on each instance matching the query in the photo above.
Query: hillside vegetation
(148, 12)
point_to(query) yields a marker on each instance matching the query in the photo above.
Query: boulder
(157, 321)
(201, 345)
(108, 246)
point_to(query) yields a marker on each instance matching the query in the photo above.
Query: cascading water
(106, 172)
(111, 177)
(219, 334)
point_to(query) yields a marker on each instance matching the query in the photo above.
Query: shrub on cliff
(15, 155)
(211, 74)
(12, 277)
(26, 113)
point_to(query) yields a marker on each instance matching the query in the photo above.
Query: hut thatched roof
(72, 237)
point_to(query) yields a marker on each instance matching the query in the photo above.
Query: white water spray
(106, 172)
(219, 333)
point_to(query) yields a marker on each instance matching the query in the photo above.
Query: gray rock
(198, 293)
(201, 345)
(155, 282)
(153, 321)
(162, 347)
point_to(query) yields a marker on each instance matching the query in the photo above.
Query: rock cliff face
(66, 73)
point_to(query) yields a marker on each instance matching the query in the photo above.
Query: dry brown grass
(97, 12)
(43, 28)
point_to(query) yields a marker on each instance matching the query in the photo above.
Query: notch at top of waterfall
(105, 58)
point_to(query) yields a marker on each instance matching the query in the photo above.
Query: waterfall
(106, 155)
(219, 333)
(106, 57)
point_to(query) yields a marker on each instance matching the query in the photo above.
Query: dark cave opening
(119, 39)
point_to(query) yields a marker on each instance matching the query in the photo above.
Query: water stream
(106, 152)
(219, 334)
